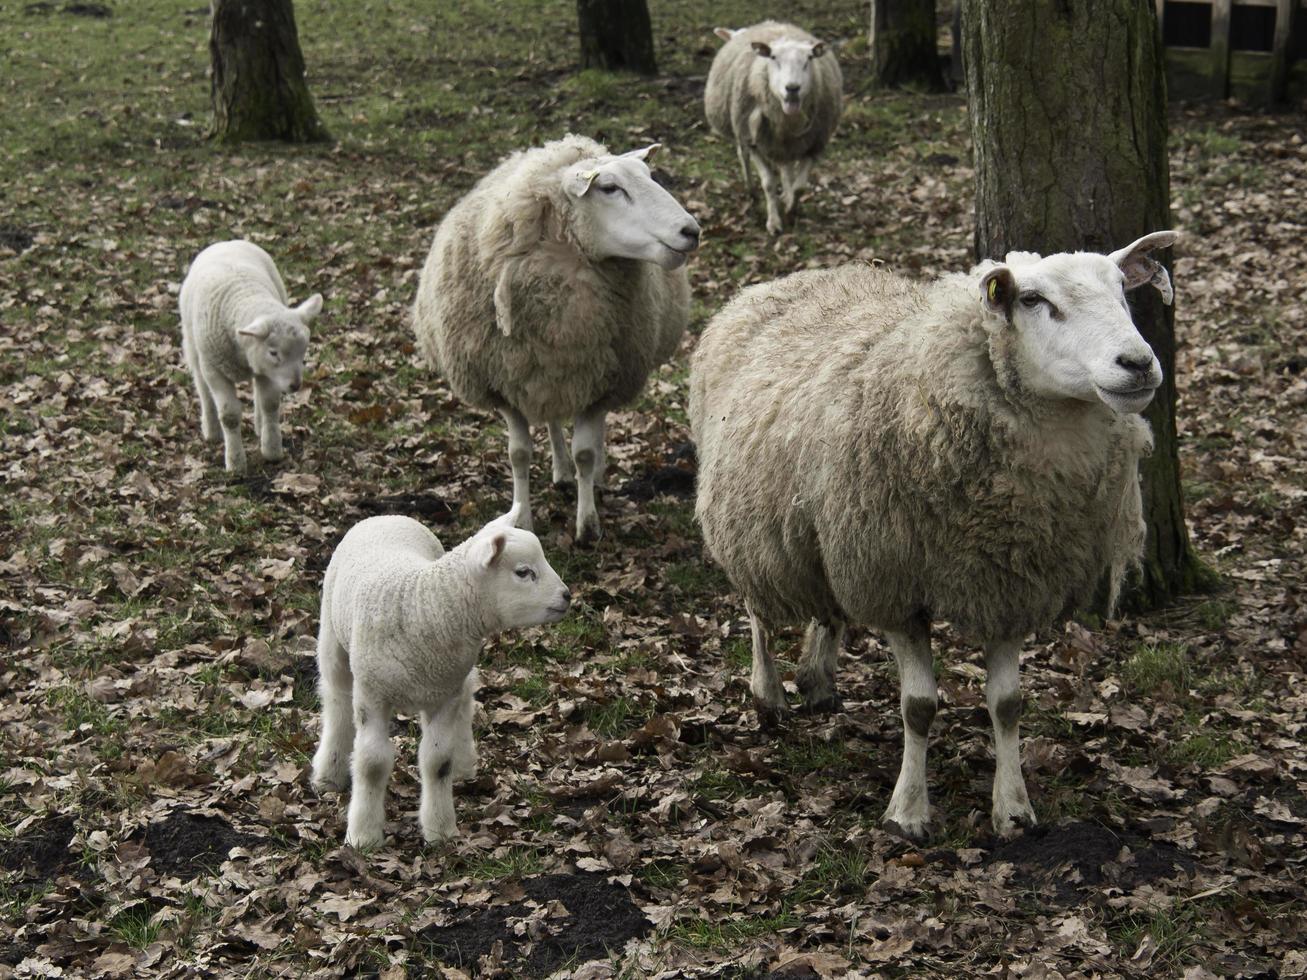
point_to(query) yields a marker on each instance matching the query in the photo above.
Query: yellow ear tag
(993, 290)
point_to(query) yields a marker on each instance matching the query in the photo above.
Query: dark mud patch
(1061, 860)
(674, 477)
(42, 851)
(186, 845)
(601, 919)
(15, 238)
(426, 507)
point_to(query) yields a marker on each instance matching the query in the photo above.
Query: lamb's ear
(1139, 267)
(818, 49)
(577, 182)
(258, 328)
(644, 154)
(762, 49)
(310, 308)
(487, 548)
(725, 33)
(999, 289)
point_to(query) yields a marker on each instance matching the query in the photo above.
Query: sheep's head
(514, 580)
(789, 69)
(620, 211)
(275, 344)
(1074, 334)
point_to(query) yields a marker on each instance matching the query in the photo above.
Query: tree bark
(258, 88)
(616, 35)
(902, 43)
(1068, 123)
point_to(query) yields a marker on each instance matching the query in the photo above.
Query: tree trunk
(616, 35)
(1068, 123)
(258, 89)
(902, 43)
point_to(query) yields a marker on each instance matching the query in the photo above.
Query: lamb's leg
(587, 451)
(370, 767)
(446, 738)
(519, 457)
(267, 404)
(209, 426)
(908, 813)
(764, 681)
(767, 177)
(229, 414)
(564, 471)
(1003, 694)
(336, 688)
(816, 675)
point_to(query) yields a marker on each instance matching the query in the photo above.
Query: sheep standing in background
(236, 325)
(883, 452)
(776, 92)
(402, 625)
(551, 291)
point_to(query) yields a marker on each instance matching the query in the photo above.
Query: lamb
(776, 92)
(236, 324)
(402, 625)
(551, 291)
(888, 453)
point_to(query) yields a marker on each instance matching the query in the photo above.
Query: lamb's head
(513, 580)
(789, 69)
(1074, 337)
(620, 211)
(274, 344)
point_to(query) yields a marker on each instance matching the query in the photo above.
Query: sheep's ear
(259, 328)
(578, 182)
(310, 308)
(645, 154)
(725, 33)
(762, 49)
(999, 289)
(818, 49)
(488, 547)
(1139, 267)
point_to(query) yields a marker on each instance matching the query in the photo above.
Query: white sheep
(889, 453)
(776, 92)
(402, 625)
(551, 291)
(236, 324)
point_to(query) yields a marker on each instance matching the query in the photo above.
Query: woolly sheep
(888, 453)
(236, 324)
(551, 291)
(776, 92)
(402, 625)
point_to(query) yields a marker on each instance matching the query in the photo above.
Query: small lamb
(776, 92)
(890, 453)
(402, 626)
(236, 324)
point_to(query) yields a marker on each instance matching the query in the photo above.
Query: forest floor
(157, 620)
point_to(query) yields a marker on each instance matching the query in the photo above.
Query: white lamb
(890, 453)
(776, 92)
(402, 625)
(236, 324)
(551, 291)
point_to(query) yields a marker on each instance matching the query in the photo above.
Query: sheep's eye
(274, 354)
(1031, 300)
(525, 572)
(609, 188)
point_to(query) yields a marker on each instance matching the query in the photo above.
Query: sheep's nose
(792, 90)
(691, 232)
(296, 384)
(567, 595)
(1135, 362)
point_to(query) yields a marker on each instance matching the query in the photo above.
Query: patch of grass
(702, 934)
(1179, 933)
(1205, 750)
(533, 689)
(83, 713)
(1157, 670)
(616, 717)
(696, 578)
(738, 654)
(805, 754)
(135, 926)
(662, 873)
(513, 862)
(716, 784)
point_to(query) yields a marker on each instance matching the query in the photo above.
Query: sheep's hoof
(771, 718)
(909, 830)
(1012, 824)
(272, 457)
(364, 841)
(438, 835)
(829, 704)
(330, 784)
(588, 533)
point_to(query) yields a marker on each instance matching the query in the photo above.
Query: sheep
(776, 92)
(236, 324)
(401, 628)
(887, 453)
(551, 290)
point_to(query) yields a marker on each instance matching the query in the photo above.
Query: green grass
(1157, 670)
(731, 933)
(513, 862)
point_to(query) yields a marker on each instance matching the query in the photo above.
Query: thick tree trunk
(616, 35)
(902, 43)
(1068, 121)
(258, 89)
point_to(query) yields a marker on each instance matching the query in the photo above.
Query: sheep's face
(621, 211)
(516, 581)
(789, 69)
(1075, 337)
(275, 345)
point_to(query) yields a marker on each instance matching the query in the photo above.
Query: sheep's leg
(816, 675)
(564, 471)
(601, 464)
(587, 451)
(336, 688)
(229, 414)
(767, 177)
(764, 681)
(519, 457)
(370, 767)
(794, 178)
(1003, 694)
(908, 813)
(742, 153)
(443, 757)
(267, 418)
(209, 426)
